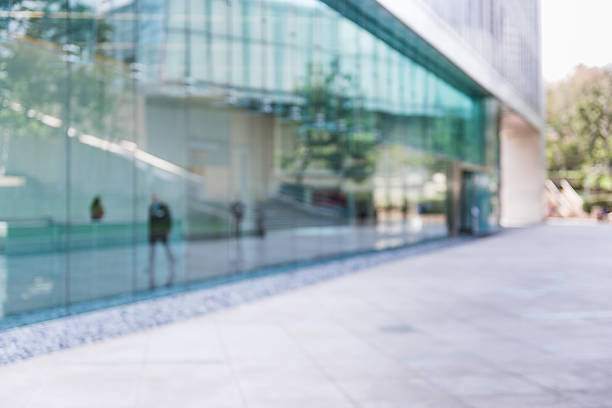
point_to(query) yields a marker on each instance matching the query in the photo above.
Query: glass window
(167, 142)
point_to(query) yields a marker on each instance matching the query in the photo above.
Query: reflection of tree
(33, 80)
(49, 22)
(336, 133)
(33, 70)
(28, 80)
(33, 75)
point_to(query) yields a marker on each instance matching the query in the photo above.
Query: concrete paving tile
(397, 391)
(579, 348)
(372, 368)
(288, 384)
(308, 401)
(20, 384)
(90, 385)
(341, 346)
(186, 385)
(470, 377)
(400, 343)
(504, 352)
(184, 342)
(565, 376)
(521, 400)
(468, 385)
(591, 399)
(255, 343)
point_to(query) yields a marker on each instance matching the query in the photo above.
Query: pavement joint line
(24, 342)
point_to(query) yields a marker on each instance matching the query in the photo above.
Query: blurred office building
(273, 131)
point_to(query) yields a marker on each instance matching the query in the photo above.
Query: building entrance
(474, 206)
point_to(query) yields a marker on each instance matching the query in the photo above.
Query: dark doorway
(473, 208)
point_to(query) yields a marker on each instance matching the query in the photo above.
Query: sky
(575, 32)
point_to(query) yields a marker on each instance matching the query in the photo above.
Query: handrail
(311, 209)
(566, 200)
(47, 220)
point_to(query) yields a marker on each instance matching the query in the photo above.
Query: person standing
(260, 219)
(237, 210)
(96, 210)
(160, 224)
(475, 212)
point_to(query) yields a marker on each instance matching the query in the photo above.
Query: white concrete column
(522, 171)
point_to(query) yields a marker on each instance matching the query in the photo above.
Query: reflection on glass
(272, 131)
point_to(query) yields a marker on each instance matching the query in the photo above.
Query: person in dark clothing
(405, 209)
(260, 219)
(96, 210)
(237, 209)
(160, 223)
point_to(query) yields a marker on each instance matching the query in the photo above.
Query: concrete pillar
(522, 171)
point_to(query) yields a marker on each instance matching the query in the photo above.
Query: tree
(579, 128)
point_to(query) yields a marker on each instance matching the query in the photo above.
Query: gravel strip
(40, 338)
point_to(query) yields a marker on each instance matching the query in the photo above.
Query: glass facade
(270, 131)
(506, 33)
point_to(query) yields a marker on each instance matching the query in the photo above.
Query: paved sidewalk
(518, 320)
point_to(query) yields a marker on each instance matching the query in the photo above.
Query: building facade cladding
(275, 131)
(506, 33)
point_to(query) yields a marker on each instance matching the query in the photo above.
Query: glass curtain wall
(147, 143)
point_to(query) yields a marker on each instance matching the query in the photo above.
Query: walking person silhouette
(160, 223)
